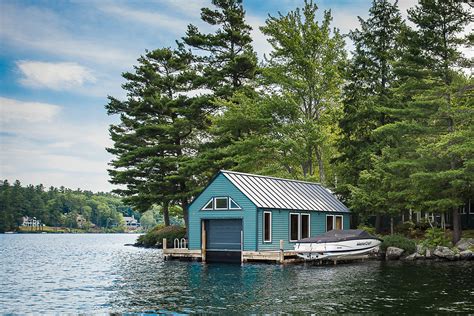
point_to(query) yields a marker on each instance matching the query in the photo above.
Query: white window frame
(220, 208)
(212, 205)
(462, 211)
(301, 225)
(334, 221)
(289, 226)
(234, 208)
(263, 225)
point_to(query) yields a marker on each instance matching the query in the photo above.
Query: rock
(465, 244)
(428, 254)
(393, 253)
(411, 257)
(466, 255)
(418, 256)
(444, 252)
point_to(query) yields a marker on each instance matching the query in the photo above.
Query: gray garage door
(223, 234)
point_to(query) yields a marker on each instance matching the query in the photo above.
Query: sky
(59, 60)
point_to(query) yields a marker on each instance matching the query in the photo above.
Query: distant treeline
(59, 207)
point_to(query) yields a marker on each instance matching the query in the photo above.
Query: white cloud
(56, 76)
(14, 111)
(40, 144)
(41, 30)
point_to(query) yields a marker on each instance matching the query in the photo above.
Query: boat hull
(336, 249)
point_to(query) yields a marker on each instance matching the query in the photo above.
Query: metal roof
(270, 192)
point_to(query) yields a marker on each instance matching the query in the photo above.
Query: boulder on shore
(393, 253)
(465, 244)
(466, 255)
(444, 253)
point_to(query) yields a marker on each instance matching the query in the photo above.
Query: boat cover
(338, 235)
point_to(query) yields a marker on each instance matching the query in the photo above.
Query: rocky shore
(463, 250)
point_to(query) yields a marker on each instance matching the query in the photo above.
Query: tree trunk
(166, 213)
(378, 223)
(391, 225)
(456, 226)
(322, 173)
(184, 206)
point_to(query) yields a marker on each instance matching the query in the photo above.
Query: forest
(387, 125)
(60, 207)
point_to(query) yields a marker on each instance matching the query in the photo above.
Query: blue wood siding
(281, 224)
(221, 186)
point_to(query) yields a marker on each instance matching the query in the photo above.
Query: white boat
(337, 244)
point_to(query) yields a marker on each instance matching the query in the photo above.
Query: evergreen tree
(228, 62)
(155, 142)
(366, 97)
(446, 155)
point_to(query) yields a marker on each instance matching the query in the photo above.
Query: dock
(275, 256)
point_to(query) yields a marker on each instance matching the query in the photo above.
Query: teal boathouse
(240, 214)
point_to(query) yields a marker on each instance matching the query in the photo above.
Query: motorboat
(337, 244)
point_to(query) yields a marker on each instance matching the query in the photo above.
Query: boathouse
(241, 215)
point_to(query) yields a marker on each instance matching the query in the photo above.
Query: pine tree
(446, 155)
(227, 60)
(155, 142)
(366, 95)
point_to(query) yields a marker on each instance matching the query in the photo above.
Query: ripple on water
(98, 274)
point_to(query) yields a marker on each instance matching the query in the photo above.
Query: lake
(97, 273)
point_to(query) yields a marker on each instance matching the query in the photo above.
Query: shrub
(406, 229)
(369, 229)
(435, 237)
(398, 241)
(154, 237)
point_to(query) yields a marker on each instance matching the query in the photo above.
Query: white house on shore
(131, 223)
(30, 222)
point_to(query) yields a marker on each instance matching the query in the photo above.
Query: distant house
(30, 221)
(131, 222)
(80, 221)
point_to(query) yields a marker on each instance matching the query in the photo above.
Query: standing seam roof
(270, 192)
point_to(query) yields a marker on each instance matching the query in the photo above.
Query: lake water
(96, 273)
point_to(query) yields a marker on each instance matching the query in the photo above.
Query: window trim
(342, 221)
(234, 208)
(462, 210)
(333, 222)
(263, 224)
(220, 208)
(301, 225)
(289, 224)
(208, 209)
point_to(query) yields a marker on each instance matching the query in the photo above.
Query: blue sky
(60, 59)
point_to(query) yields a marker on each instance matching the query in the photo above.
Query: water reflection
(97, 273)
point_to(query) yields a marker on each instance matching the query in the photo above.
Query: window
(334, 222)
(208, 206)
(294, 226)
(469, 207)
(233, 205)
(305, 226)
(462, 209)
(267, 226)
(329, 222)
(299, 226)
(221, 203)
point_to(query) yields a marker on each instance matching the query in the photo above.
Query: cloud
(56, 76)
(42, 30)
(39, 140)
(14, 111)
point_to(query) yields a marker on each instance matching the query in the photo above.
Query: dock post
(282, 252)
(165, 245)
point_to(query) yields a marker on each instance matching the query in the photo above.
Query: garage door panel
(224, 234)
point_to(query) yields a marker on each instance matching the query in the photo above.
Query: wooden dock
(276, 256)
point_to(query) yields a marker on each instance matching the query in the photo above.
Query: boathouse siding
(256, 195)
